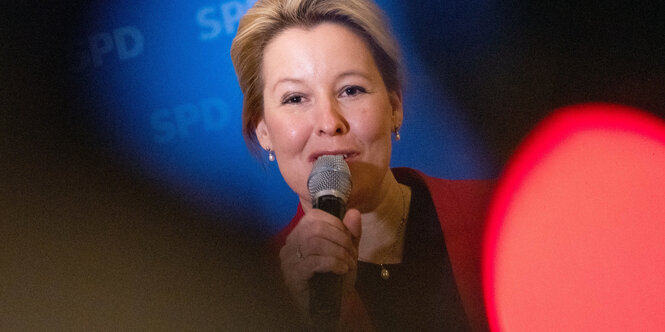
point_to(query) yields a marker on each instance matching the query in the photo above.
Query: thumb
(353, 224)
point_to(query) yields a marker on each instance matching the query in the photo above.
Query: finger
(293, 254)
(325, 264)
(302, 270)
(317, 228)
(317, 216)
(317, 246)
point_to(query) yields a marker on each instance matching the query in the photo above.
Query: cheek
(288, 135)
(293, 143)
(374, 125)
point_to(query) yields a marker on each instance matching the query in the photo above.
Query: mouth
(348, 155)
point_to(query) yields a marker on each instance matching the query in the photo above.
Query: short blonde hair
(269, 17)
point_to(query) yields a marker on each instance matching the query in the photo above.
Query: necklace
(385, 274)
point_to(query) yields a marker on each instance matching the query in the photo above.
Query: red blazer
(461, 206)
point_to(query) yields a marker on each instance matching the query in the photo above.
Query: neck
(382, 236)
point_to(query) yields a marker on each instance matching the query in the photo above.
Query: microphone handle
(325, 289)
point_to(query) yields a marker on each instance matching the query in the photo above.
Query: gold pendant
(384, 273)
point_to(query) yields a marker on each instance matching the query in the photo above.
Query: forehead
(326, 46)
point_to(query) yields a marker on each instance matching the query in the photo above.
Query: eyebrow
(354, 73)
(341, 75)
(286, 80)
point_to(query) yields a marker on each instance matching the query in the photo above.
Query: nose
(329, 118)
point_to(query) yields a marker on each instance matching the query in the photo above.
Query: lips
(346, 153)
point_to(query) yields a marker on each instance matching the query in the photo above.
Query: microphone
(329, 185)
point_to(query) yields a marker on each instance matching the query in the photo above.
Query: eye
(295, 99)
(353, 91)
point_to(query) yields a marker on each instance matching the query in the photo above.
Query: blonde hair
(270, 17)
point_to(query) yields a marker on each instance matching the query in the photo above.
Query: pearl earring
(271, 156)
(397, 134)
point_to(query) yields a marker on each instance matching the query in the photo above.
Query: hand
(320, 243)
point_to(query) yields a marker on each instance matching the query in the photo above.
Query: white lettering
(205, 21)
(122, 36)
(181, 121)
(160, 122)
(229, 14)
(215, 114)
(185, 116)
(128, 42)
(99, 45)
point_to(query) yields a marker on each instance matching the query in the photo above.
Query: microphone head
(330, 176)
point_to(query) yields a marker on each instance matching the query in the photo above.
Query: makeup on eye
(292, 99)
(347, 91)
(353, 90)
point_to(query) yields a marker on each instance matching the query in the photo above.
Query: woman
(323, 77)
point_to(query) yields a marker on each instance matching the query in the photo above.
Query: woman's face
(323, 94)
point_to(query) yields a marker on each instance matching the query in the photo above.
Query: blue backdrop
(162, 94)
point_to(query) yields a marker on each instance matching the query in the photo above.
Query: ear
(263, 135)
(397, 111)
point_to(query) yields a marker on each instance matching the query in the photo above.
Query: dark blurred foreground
(84, 246)
(86, 243)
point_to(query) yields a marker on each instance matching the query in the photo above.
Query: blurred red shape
(576, 230)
